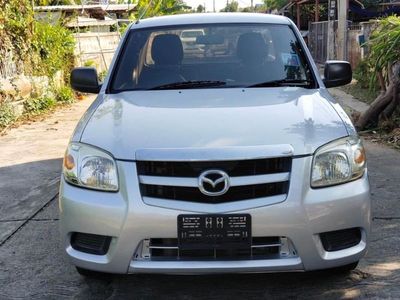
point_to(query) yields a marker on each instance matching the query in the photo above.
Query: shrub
(89, 63)
(7, 114)
(54, 49)
(102, 75)
(38, 48)
(363, 73)
(65, 95)
(34, 106)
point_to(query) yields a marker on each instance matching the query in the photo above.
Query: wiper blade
(282, 82)
(189, 84)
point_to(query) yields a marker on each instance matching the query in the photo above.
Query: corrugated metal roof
(110, 7)
(89, 22)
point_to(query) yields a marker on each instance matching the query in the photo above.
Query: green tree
(232, 6)
(200, 9)
(53, 47)
(151, 8)
(275, 4)
(384, 61)
(16, 26)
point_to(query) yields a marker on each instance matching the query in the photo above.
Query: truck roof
(210, 18)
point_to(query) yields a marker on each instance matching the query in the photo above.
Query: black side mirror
(337, 73)
(85, 80)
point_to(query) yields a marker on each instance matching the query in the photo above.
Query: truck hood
(213, 118)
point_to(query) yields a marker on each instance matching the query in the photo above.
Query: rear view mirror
(337, 73)
(85, 80)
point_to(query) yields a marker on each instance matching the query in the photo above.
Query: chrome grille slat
(213, 207)
(193, 182)
(214, 154)
(266, 246)
(261, 248)
(163, 247)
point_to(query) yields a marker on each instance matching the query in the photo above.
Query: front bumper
(301, 217)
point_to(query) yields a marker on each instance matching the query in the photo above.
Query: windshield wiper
(282, 82)
(189, 84)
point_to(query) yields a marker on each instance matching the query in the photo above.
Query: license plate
(231, 231)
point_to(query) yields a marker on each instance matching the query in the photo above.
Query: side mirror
(85, 80)
(337, 73)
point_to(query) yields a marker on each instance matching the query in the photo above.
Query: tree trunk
(379, 104)
(386, 99)
(389, 110)
(381, 80)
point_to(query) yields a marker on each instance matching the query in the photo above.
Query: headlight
(90, 167)
(338, 162)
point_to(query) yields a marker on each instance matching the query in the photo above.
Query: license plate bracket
(214, 231)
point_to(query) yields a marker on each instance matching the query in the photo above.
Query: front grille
(166, 249)
(90, 243)
(250, 179)
(340, 239)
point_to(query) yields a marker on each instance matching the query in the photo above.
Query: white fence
(98, 48)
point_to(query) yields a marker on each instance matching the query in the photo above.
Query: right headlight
(338, 162)
(90, 167)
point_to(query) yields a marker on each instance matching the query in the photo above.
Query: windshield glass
(212, 56)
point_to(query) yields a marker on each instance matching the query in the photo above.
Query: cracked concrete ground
(32, 265)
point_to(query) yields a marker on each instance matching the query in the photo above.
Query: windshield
(216, 55)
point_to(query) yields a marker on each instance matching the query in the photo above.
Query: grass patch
(35, 107)
(60, 96)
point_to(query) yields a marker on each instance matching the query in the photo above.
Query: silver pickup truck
(236, 160)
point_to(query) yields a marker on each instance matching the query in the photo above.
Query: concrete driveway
(32, 265)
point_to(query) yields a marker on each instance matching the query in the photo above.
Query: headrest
(167, 49)
(251, 47)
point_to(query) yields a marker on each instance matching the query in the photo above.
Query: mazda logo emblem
(214, 183)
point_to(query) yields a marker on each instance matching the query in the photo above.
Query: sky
(219, 4)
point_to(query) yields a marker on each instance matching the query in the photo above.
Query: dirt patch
(391, 138)
(363, 94)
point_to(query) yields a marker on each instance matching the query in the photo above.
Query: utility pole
(252, 7)
(330, 47)
(342, 30)
(213, 5)
(298, 15)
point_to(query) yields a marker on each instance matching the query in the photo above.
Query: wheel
(346, 268)
(93, 274)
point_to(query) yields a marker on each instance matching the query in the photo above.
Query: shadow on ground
(24, 189)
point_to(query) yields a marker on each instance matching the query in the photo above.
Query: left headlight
(338, 162)
(90, 167)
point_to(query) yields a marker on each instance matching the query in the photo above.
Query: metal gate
(318, 40)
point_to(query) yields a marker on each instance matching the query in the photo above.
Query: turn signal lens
(69, 162)
(359, 156)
